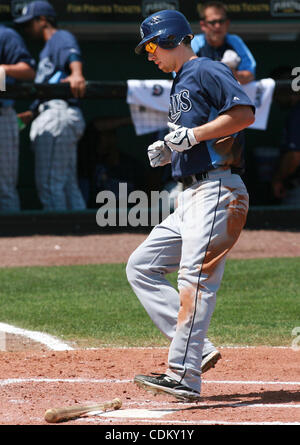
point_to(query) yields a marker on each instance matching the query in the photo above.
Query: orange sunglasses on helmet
(150, 47)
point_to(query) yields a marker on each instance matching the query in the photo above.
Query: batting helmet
(167, 28)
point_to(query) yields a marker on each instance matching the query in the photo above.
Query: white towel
(149, 103)
(261, 94)
(154, 94)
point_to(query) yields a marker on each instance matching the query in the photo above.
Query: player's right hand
(77, 84)
(159, 154)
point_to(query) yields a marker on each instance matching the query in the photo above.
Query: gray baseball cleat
(209, 360)
(162, 383)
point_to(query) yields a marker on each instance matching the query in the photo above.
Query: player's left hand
(181, 138)
(77, 84)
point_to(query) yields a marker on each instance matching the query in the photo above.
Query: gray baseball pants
(54, 135)
(194, 240)
(9, 160)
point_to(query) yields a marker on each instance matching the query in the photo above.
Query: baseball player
(57, 124)
(17, 64)
(208, 109)
(217, 44)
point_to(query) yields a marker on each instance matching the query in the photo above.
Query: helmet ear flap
(172, 40)
(166, 42)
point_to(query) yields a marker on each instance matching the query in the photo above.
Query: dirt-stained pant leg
(146, 271)
(213, 213)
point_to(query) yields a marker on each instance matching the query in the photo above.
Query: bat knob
(117, 403)
(50, 416)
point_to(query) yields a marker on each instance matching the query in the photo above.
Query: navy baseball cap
(35, 9)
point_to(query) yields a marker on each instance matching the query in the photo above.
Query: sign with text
(134, 11)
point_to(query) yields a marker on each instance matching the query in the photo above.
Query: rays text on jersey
(179, 102)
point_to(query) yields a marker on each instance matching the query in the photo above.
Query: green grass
(258, 303)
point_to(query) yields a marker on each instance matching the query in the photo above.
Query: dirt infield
(249, 385)
(94, 249)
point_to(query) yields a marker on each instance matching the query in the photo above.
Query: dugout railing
(41, 222)
(94, 90)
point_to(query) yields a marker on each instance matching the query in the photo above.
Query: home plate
(135, 413)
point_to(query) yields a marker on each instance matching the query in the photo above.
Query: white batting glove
(181, 138)
(231, 59)
(159, 154)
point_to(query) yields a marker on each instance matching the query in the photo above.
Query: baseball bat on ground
(55, 415)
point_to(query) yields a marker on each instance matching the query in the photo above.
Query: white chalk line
(16, 381)
(145, 414)
(194, 422)
(56, 344)
(49, 341)
(249, 382)
(12, 381)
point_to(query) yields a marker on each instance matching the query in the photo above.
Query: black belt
(191, 179)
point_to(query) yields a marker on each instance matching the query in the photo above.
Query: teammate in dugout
(208, 109)
(17, 64)
(218, 44)
(57, 124)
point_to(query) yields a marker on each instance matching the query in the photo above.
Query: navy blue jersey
(54, 59)
(58, 52)
(201, 48)
(202, 90)
(12, 50)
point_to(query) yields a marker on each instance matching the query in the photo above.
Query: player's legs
(214, 214)
(55, 134)
(146, 270)
(74, 196)
(74, 131)
(9, 160)
(49, 188)
(44, 134)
